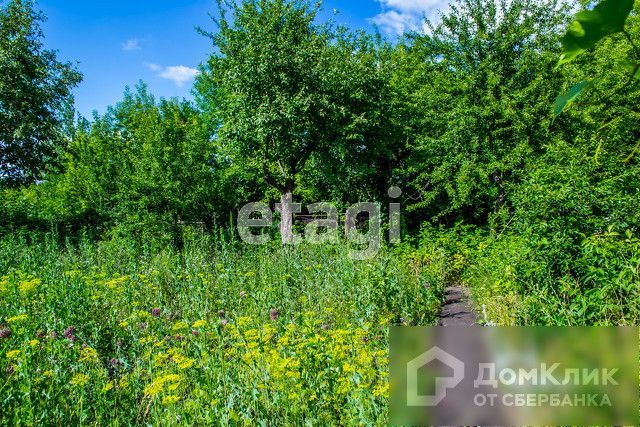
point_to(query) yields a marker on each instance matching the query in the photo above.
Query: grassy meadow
(114, 333)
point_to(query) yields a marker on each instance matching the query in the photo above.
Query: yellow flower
(251, 335)
(48, 373)
(170, 400)
(199, 324)
(243, 321)
(13, 354)
(34, 343)
(80, 380)
(349, 369)
(17, 318)
(123, 324)
(182, 361)
(154, 388)
(381, 390)
(157, 386)
(108, 386)
(145, 340)
(28, 286)
(88, 353)
(178, 326)
(124, 381)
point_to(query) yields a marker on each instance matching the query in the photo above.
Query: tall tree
(479, 84)
(35, 94)
(288, 89)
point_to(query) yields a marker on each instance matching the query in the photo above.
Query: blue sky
(116, 43)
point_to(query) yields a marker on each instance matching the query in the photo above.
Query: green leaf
(563, 102)
(591, 26)
(633, 68)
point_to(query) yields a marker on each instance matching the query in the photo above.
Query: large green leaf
(591, 26)
(633, 68)
(563, 102)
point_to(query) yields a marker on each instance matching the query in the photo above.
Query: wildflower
(145, 340)
(5, 332)
(27, 287)
(348, 369)
(10, 370)
(53, 335)
(178, 326)
(123, 324)
(155, 312)
(195, 332)
(47, 374)
(243, 321)
(108, 386)
(157, 385)
(224, 322)
(68, 333)
(13, 354)
(34, 343)
(182, 361)
(199, 324)
(381, 390)
(87, 354)
(80, 380)
(143, 326)
(124, 382)
(170, 400)
(17, 318)
(273, 314)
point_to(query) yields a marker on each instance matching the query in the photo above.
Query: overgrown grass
(117, 334)
(528, 279)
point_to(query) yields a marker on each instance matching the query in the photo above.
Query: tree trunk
(286, 216)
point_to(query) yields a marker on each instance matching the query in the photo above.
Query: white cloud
(399, 16)
(393, 22)
(131, 45)
(179, 74)
(153, 67)
(413, 6)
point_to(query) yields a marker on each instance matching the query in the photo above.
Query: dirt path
(457, 310)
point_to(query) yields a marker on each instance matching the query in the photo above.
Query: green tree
(601, 51)
(476, 88)
(288, 90)
(145, 167)
(35, 95)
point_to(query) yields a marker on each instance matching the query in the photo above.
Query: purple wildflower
(155, 312)
(5, 333)
(273, 314)
(68, 333)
